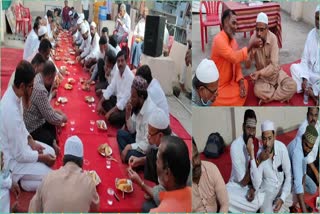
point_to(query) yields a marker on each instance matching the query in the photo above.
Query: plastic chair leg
(202, 39)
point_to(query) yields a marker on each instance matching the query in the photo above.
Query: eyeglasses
(151, 135)
(260, 29)
(212, 92)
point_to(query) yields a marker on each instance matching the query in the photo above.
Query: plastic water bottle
(306, 95)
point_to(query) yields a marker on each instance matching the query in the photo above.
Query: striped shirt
(40, 109)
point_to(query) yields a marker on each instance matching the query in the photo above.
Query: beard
(246, 137)
(136, 110)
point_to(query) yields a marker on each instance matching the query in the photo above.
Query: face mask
(208, 103)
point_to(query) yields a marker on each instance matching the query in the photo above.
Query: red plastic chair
(20, 20)
(27, 15)
(211, 19)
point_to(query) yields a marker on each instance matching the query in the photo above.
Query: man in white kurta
(86, 44)
(138, 33)
(123, 24)
(273, 174)
(32, 41)
(94, 53)
(23, 156)
(239, 186)
(312, 119)
(307, 72)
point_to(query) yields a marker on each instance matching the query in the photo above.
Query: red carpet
(224, 163)
(78, 110)
(296, 100)
(9, 59)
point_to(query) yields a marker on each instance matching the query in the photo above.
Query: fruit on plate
(102, 124)
(105, 149)
(89, 99)
(68, 86)
(124, 185)
(71, 80)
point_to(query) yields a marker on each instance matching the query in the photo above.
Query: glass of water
(91, 125)
(72, 122)
(108, 164)
(110, 192)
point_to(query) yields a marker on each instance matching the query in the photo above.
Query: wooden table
(247, 15)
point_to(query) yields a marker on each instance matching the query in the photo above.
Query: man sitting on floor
(123, 24)
(298, 150)
(224, 52)
(173, 169)
(313, 157)
(95, 50)
(137, 45)
(40, 118)
(84, 48)
(242, 195)
(32, 41)
(307, 72)
(271, 83)
(271, 172)
(28, 160)
(117, 94)
(154, 88)
(68, 189)
(134, 142)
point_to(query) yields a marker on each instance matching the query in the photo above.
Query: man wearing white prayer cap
(85, 46)
(158, 126)
(205, 83)
(270, 82)
(94, 54)
(274, 174)
(33, 40)
(51, 194)
(307, 73)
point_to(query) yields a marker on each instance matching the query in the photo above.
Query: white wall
(228, 121)
(300, 10)
(37, 6)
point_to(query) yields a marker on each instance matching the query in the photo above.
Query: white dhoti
(31, 174)
(298, 72)
(5, 194)
(271, 197)
(238, 201)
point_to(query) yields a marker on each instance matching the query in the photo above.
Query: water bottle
(306, 95)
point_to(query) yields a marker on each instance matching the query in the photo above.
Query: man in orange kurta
(233, 87)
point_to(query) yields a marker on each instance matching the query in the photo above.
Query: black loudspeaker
(153, 35)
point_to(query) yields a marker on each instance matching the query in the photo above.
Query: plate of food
(63, 68)
(86, 87)
(102, 125)
(72, 52)
(70, 62)
(71, 80)
(124, 185)
(57, 58)
(89, 99)
(62, 100)
(95, 177)
(105, 150)
(68, 86)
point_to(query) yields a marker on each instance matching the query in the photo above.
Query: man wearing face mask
(242, 195)
(298, 150)
(138, 111)
(306, 73)
(227, 57)
(271, 171)
(205, 83)
(271, 83)
(40, 118)
(313, 157)
(28, 160)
